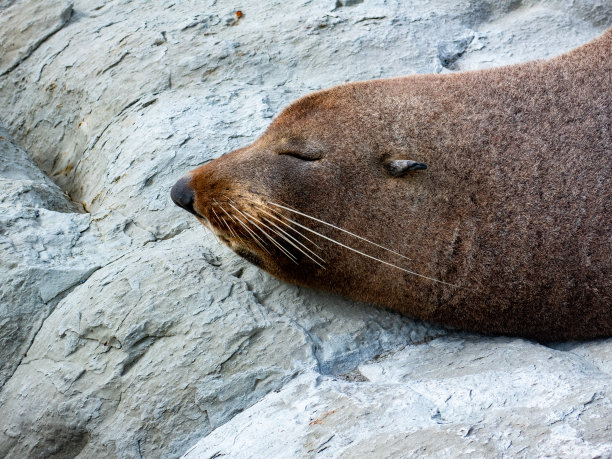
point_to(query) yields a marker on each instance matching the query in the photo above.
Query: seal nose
(182, 194)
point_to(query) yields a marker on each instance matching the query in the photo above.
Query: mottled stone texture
(128, 331)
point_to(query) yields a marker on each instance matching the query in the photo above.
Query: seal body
(480, 200)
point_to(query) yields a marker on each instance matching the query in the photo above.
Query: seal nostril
(183, 195)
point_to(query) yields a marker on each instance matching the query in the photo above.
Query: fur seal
(479, 200)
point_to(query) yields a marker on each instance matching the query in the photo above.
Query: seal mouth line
(366, 255)
(340, 229)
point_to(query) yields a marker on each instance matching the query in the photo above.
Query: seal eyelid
(301, 155)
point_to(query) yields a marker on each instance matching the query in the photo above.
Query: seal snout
(183, 195)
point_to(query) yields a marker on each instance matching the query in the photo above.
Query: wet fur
(515, 206)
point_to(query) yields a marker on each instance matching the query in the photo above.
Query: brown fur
(515, 207)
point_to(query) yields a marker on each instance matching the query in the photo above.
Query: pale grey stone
(450, 51)
(451, 397)
(25, 24)
(40, 234)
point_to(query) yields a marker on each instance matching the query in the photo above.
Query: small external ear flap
(400, 167)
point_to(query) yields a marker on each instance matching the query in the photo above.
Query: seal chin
(249, 256)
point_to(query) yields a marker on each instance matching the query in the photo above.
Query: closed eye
(302, 156)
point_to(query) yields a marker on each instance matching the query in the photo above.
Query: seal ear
(399, 167)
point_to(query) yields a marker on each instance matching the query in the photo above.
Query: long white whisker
(225, 223)
(276, 243)
(264, 210)
(256, 238)
(340, 229)
(289, 226)
(280, 247)
(287, 240)
(370, 256)
(288, 237)
(286, 234)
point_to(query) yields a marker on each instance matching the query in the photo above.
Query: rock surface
(42, 240)
(128, 331)
(451, 397)
(37, 21)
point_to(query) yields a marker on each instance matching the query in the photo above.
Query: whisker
(255, 236)
(286, 234)
(280, 247)
(264, 210)
(276, 243)
(289, 238)
(288, 241)
(370, 256)
(340, 229)
(226, 224)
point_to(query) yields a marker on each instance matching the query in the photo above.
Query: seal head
(480, 200)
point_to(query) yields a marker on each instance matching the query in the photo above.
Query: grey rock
(450, 51)
(340, 3)
(143, 334)
(451, 397)
(181, 360)
(40, 239)
(24, 25)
